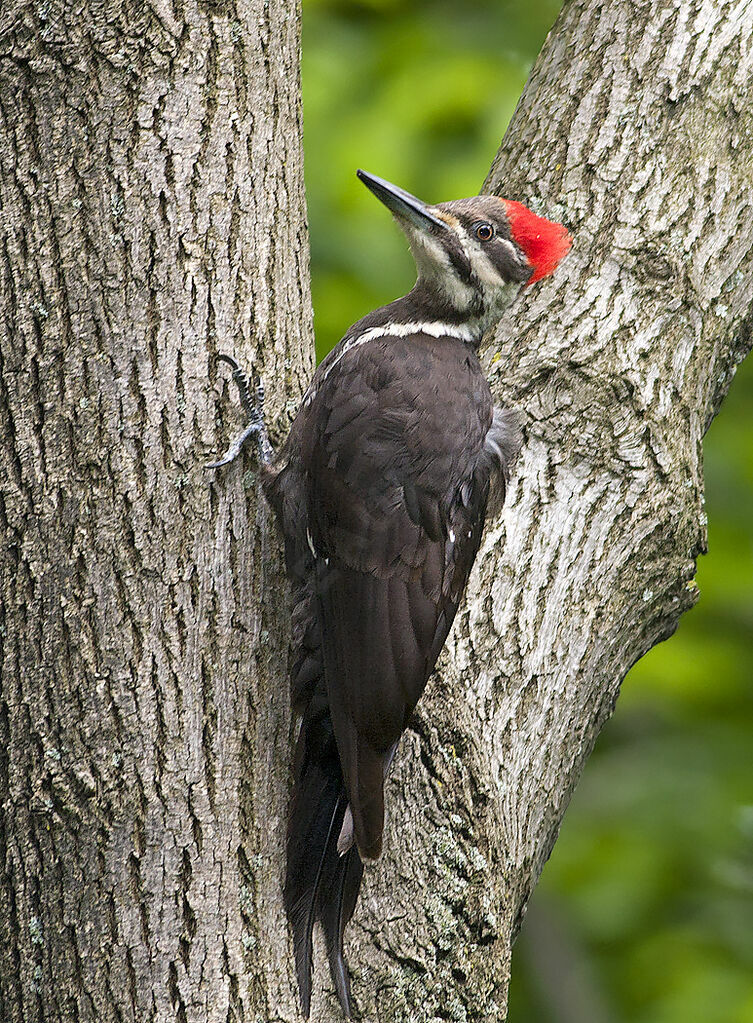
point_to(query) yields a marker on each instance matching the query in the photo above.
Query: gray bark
(150, 179)
(152, 214)
(635, 128)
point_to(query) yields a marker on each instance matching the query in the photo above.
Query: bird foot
(253, 406)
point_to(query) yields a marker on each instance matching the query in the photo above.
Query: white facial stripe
(462, 331)
(489, 273)
(483, 267)
(497, 292)
(433, 265)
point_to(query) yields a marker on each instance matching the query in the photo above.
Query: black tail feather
(337, 901)
(320, 884)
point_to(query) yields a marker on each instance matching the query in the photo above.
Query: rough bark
(635, 128)
(150, 182)
(152, 214)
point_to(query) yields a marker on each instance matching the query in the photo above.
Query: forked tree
(152, 215)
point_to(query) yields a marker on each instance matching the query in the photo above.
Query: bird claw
(254, 409)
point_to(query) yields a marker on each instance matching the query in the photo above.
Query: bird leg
(253, 406)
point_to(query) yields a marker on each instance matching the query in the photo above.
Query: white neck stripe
(461, 331)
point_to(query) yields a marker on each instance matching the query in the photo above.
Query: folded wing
(399, 485)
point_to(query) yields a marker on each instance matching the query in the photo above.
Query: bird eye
(484, 232)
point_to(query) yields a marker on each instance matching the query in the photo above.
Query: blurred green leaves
(648, 897)
(419, 94)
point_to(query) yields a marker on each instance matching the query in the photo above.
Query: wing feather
(388, 470)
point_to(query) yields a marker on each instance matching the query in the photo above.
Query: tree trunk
(635, 129)
(150, 178)
(152, 215)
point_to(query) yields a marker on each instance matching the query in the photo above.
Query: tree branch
(635, 130)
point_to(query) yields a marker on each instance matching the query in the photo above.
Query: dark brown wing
(398, 490)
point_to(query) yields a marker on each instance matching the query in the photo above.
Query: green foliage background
(645, 911)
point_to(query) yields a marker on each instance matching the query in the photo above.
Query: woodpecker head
(473, 255)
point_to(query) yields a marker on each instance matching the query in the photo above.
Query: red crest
(545, 242)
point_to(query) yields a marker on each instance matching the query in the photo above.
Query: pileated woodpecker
(381, 490)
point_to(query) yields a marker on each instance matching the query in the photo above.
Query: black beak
(400, 202)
